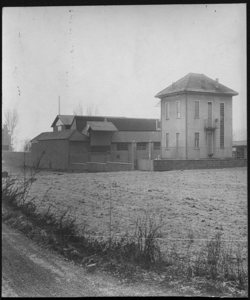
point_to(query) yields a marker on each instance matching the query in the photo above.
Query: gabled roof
(122, 124)
(240, 143)
(200, 83)
(101, 126)
(60, 135)
(66, 119)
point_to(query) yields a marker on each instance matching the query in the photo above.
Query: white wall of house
(186, 125)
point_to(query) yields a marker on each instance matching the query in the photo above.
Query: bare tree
(11, 121)
(91, 110)
(26, 145)
(78, 111)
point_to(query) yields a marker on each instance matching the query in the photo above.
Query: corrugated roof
(66, 119)
(122, 124)
(193, 82)
(60, 135)
(101, 126)
(240, 143)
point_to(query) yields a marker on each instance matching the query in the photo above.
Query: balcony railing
(210, 124)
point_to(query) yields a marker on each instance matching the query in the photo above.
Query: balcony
(211, 125)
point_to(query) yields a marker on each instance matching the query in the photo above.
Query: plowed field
(201, 202)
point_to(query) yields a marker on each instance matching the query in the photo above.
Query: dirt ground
(29, 270)
(197, 203)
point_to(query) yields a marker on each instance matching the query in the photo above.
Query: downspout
(186, 128)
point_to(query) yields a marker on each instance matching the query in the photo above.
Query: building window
(196, 109)
(167, 110)
(167, 140)
(121, 146)
(222, 133)
(141, 146)
(157, 145)
(99, 149)
(178, 113)
(59, 128)
(177, 139)
(196, 140)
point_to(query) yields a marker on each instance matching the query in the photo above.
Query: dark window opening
(141, 146)
(167, 140)
(157, 145)
(196, 110)
(196, 140)
(121, 146)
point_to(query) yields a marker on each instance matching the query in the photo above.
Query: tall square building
(196, 119)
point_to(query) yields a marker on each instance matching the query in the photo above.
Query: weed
(215, 263)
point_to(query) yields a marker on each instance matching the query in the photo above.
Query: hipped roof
(72, 135)
(200, 83)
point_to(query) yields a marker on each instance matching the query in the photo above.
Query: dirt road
(31, 271)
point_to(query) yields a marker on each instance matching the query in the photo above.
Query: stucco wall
(197, 125)
(174, 125)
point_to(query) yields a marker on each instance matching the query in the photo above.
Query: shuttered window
(167, 110)
(196, 140)
(141, 146)
(177, 139)
(157, 145)
(121, 146)
(196, 109)
(167, 140)
(178, 113)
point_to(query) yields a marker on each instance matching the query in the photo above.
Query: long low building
(79, 139)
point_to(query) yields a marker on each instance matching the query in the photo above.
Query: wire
(125, 235)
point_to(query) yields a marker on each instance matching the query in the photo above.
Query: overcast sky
(117, 58)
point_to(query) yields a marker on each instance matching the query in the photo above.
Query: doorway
(210, 144)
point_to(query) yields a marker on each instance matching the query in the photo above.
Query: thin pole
(110, 207)
(59, 106)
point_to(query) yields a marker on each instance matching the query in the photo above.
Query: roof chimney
(216, 82)
(173, 85)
